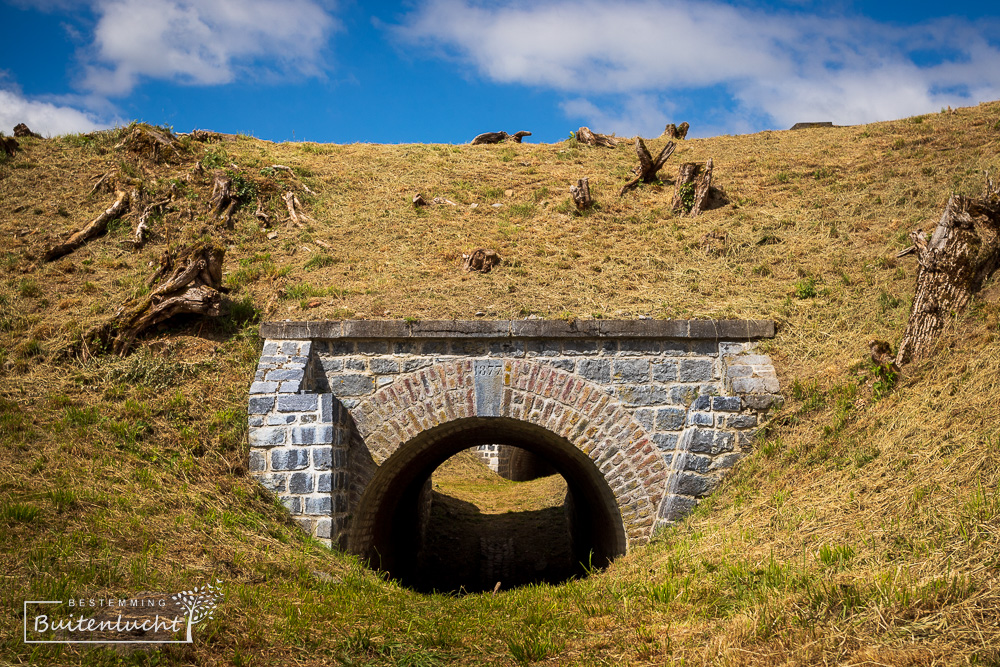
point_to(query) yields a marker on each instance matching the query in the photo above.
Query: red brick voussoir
(535, 392)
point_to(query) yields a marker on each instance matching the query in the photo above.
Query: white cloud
(45, 118)
(206, 42)
(785, 66)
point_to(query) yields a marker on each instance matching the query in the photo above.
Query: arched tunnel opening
(429, 540)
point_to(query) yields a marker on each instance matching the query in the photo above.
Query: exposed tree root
(645, 172)
(481, 260)
(189, 282)
(585, 136)
(97, 227)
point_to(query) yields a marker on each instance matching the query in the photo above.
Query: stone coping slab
(734, 330)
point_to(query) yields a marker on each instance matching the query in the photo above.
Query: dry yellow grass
(864, 531)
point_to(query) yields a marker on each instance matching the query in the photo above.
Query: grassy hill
(865, 530)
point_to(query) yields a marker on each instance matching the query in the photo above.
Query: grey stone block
(321, 505)
(638, 346)
(298, 403)
(312, 435)
(300, 482)
(630, 370)
(322, 458)
(674, 347)
(258, 462)
(762, 401)
(696, 463)
(384, 366)
(279, 420)
(254, 421)
(741, 421)
(323, 528)
(693, 484)
(696, 370)
(572, 347)
(670, 419)
(383, 380)
(506, 348)
(293, 503)
(324, 482)
(563, 364)
(676, 508)
(727, 403)
(664, 371)
(373, 347)
(290, 459)
(263, 387)
(354, 364)
(683, 395)
(665, 442)
(267, 437)
(639, 396)
(704, 348)
(542, 348)
(700, 419)
(290, 348)
(270, 348)
(598, 370)
(645, 417)
(331, 365)
(340, 348)
(415, 364)
(701, 441)
(727, 461)
(260, 405)
(702, 403)
(376, 329)
(275, 483)
(326, 409)
(289, 387)
(351, 385)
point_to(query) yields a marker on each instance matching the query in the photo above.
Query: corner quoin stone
(682, 397)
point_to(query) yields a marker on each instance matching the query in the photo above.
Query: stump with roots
(581, 195)
(187, 281)
(585, 136)
(960, 256)
(645, 172)
(692, 187)
(672, 131)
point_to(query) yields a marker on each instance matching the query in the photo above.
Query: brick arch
(561, 409)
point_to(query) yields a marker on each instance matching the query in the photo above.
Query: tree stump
(149, 143)
(645, 172)
(961, 254)
(581, 194)
(692, 187)
(585, 136)
(517, 136)
(490, 138)
(189, 282)
(9, 145)
(481, 260)
(672, 131)
(21, 130)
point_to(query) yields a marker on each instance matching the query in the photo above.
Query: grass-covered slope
(865, 530)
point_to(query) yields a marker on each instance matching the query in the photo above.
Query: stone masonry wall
(698, 389)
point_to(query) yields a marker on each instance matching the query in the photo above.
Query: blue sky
(446, 70)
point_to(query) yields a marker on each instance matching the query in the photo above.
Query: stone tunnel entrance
(348, 421)
(394, 510)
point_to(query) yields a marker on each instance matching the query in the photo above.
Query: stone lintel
(732, 330)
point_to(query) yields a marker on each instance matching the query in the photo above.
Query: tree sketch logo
(199, 604)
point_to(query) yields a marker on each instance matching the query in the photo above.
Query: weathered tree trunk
(481, 260)
(645, 172)
(517, 136)
(222, 200)
(490, 138)
(962, 253)
(22, 130)
(149, 143)
(97, 227)
(191, 285)
(585, 136)
(692, 187)
(581, 194)
(9, 145)
(672, 131)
